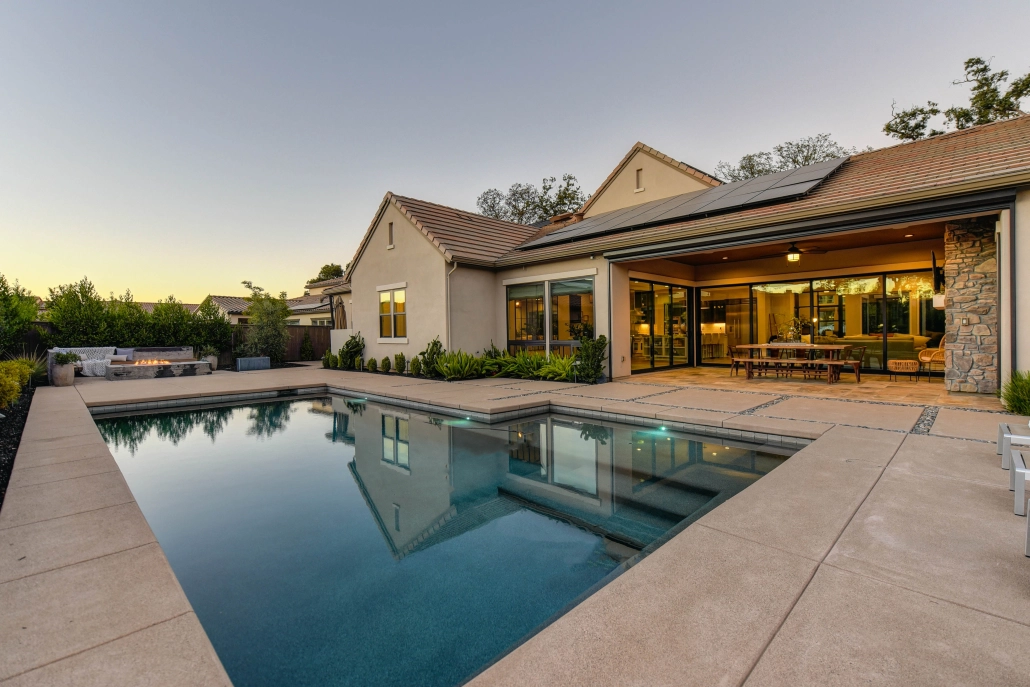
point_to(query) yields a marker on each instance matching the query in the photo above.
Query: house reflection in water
(427, 480)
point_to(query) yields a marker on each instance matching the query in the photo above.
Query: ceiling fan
(793, 253)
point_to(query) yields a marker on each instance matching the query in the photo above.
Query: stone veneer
(971, 315)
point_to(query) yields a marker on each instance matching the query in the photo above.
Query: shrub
(357, 363)
(591, 354)
(459, 365)
(171, 324)
(399, 363)
(326, 357)
(17, 371)
(522, 365)
(307, 349)
(385, 364)
(267, 334)
(66, 358)
(79, 316)
(1015, 393)
(334, 361)
(10, 389)
(416, 366)
(351, 351)
(431, 356)
(372, 365)
(35, 364)
(559, 368)
(17, 311)
(212, 327)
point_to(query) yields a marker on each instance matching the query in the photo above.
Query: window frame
(395, 442)
(393, 316)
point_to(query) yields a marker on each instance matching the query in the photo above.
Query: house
(316, 306)
(149, 307)
(232, 307)
(676, 268)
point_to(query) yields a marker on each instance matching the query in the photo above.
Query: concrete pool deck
(885, 551)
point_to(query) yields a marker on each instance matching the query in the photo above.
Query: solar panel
(779, 186)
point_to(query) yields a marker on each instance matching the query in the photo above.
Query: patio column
(971, 306)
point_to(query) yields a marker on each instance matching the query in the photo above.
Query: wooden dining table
(833, 352)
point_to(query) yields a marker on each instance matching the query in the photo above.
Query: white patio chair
(1007, 436)
(1017, 481)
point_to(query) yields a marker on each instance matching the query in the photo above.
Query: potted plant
(210, 354)
(64, 368)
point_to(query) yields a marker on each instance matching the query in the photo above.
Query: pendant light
(793, 254)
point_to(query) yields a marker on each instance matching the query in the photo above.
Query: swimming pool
(332, 541)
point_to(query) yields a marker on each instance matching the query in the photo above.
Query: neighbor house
(232, 307)
(676, 268)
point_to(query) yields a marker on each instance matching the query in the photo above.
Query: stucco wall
(473, 311)
(414, 261)
(660, 180)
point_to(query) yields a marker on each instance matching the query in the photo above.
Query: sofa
(899, 346)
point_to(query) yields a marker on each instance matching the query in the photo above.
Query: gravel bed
(11, 427)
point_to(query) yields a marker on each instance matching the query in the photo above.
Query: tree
(987, 103)
(213, 327)
(171, 324)
(128, 324)
(330, 271)
(78, 314)
(525, 204)
(18, 309)
(785, 156)
(267, 334)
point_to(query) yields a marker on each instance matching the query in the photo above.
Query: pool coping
(60, 431)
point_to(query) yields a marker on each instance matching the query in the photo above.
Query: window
(389, 233)
(326, 322)
(395, 441)
(243, 320)
(572, 312)
(526, 317)
(293, 322)
(392, 314)
(640, 180)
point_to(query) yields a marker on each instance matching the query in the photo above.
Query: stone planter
(213, 359)
(63, 375)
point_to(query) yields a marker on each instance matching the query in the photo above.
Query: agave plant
(454, 365)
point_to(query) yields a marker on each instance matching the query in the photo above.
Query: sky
(180, 148)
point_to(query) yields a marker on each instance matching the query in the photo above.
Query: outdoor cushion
(127, 352)
(117, 358)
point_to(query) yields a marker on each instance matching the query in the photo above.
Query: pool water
(332, 541)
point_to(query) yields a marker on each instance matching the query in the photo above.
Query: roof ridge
(474, 215)
(640, 146)
(946, 135)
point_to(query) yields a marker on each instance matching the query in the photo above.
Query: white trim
(389, 247)
(394, 340)
(554, 276)
(391, 287)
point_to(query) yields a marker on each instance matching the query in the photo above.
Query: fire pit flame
(152, 362)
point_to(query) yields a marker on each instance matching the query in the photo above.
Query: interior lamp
(793, 254)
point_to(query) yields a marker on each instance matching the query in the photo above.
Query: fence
(319, 340)
(33, 342)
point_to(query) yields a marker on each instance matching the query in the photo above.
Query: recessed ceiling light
(725, 257)
(908, 236)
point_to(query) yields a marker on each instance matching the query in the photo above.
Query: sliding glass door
(659, 325)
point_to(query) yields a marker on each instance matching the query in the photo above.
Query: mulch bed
(11, 427)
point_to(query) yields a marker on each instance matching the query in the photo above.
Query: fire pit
(152, 369)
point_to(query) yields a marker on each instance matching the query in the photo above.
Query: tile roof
(326, 282)
(461, 236)
(989, 156)
(308, 303)
(149, 307)
(234, 305)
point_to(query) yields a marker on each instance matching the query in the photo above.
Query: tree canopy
(987, 103)
(526, 204)
(330, 271)
(786, 155)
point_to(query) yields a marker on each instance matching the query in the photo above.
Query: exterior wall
(306, 318)
(414, 261)
(660, 180)
(971, 306)
(1022, 278)
(473, 318)
(541, 272)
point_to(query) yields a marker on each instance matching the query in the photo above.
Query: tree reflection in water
(130, 432)
(269, 419)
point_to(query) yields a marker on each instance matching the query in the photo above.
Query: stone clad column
(971, 306)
